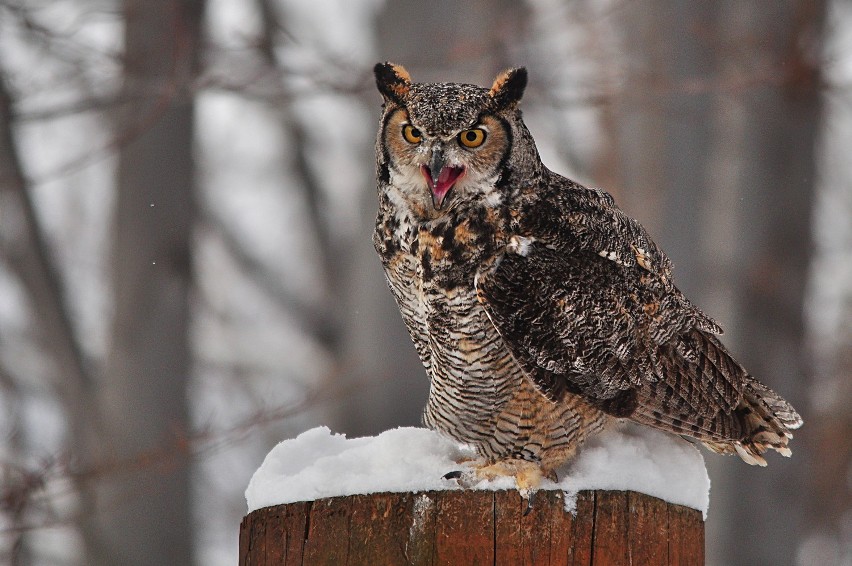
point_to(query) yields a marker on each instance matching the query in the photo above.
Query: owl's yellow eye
(411, 134)
(472, 138)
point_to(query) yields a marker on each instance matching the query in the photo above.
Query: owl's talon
(454, 475)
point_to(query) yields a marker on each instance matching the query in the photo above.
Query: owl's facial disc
(440, 177)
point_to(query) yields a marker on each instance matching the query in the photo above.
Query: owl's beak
(440, 177)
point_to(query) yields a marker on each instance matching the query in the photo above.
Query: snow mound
(319, 463)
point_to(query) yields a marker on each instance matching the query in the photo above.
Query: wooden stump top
(474, 527)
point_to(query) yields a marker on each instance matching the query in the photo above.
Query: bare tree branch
(313, 319)
(27, 251)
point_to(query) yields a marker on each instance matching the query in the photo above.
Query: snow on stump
(629, 497)
(474, 527)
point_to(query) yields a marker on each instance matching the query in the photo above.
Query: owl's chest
(442, 254)
(431, 271)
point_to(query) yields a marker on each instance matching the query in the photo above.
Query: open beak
(440, 177)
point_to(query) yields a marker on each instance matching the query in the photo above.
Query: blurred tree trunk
(828, 538)
(713, 148)
(777, 153)
(143, 495)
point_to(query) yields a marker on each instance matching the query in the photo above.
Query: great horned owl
(540, 310)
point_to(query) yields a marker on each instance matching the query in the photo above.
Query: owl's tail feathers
(767, 422)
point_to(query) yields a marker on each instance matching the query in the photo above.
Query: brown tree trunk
(141, 484)
(474, 527)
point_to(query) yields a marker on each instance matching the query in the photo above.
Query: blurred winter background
(187, 276)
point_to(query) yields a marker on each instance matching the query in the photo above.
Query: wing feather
(589, 308)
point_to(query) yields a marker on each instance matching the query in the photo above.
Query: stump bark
(474, 527)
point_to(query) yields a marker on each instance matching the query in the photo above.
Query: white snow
(319, 463)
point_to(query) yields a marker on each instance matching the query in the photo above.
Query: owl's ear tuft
(508, 87)
(392, 80)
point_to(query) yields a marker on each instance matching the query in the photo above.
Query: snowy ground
(319, 463)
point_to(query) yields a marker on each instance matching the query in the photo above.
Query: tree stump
(474, 527)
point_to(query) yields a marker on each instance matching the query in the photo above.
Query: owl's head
(441, 144)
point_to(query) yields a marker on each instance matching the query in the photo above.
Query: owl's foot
(528, 476)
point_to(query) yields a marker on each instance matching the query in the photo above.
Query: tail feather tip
(750, 455)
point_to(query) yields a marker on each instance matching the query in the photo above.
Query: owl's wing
(585, 303)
